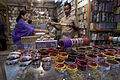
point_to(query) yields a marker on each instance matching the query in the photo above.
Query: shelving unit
(82, 17)
(13, 12)
(103, 22)
(117, 13)
(4, 14)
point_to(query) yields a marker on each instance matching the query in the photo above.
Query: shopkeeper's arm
(38, 30)
(55, 26)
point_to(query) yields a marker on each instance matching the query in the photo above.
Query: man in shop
(67, 31)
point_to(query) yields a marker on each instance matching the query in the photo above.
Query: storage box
(46, 44)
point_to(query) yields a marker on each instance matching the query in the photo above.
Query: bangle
(63, 55)
(109, 55)
(60, 67)
(115, 39)
(72, 68)
(80, 58)
(59, 61)
(113, 63)
(101, 57)
(51, 50)
(72, 56)
(92, 57)
(44, 54)
(92, 65)
(53, 56)
(104, 65)
(82, 65)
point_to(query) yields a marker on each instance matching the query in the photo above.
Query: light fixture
(38, 0)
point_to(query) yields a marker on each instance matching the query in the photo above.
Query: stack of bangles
(72, 68)
(82, 65)
(44, 54)
(72, 56)
(53, 56)
(60, 67)
(80, 58)
(92, 57)
(51, 50)
(104, 65)
(63, 55)
(92, 65)
(110, 56)
(59, 61)
(66, 43)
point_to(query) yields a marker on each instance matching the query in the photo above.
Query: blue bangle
(115, 39)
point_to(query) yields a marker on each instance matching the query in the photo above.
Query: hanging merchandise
(74, 42)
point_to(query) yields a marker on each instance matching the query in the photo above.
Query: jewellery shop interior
(59, 39)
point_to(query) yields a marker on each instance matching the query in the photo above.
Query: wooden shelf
(104, 1)
(102, 22)
(101, 30)
(101, 11)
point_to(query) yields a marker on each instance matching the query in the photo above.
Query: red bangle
(51, 50)
(92, 57)
(44, 54)
(80, 58)
(82, 65)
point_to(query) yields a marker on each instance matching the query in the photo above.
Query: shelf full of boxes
(40, 16)
(13, 12)
(117, 13)
(102, 20)
(82, 16)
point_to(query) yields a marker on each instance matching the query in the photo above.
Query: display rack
(102, 20)
(4, 14)
(82, 17)
(13, 12)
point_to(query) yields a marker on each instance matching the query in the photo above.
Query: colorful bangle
(51, 50)
(72, 68)
(80, 58)
(53, 57)
(60, 67)
(59, 61)
(82, 65)
(104, 65)
(109, 55)
(92, 57)
(115, 39)
(72, 56)
(101, 57)
(118, 40)
(45, 54)
(92, 65)
(113, 63)
(63, 55)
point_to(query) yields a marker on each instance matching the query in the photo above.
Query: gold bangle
(63, 56)
(75, 69)
(59, 61)
(60, 67)
(53, 56)
(109, 56)
(93, 65)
